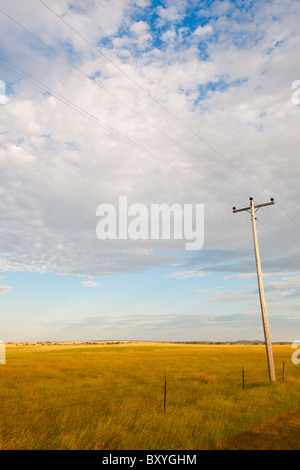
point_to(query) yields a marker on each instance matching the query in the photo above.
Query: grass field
(111, 397)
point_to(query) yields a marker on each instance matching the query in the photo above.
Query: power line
(278, 240)
(105, 126)
(121, 137)
(288, 216)
(123, 103)
(195, 134)
(296, 241)
(281, 243)
(270, 232)
(131, 109)
(136, 83)
(134, 111)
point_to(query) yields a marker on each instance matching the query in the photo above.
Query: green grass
(111, 396)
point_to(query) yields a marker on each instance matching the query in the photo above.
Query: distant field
(111, 397)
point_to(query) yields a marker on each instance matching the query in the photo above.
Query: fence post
(243, 378)
(165, 394)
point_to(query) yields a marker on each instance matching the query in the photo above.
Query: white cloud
(59, 166)
(142, 33)
(5, 289)
(234, 296)
(140, 28)
(280, 291)
(187, 274)
(172, 13)
(254, 275)
(89, 283)
(203, 30)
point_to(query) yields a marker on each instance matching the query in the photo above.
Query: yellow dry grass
(110, 396)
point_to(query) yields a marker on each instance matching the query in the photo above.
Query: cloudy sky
(164, 102)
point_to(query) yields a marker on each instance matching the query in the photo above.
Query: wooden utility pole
(252, 209)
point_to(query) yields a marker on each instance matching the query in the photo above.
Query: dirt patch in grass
(282, 433)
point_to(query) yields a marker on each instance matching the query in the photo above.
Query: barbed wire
(74, 393)
(173, 383)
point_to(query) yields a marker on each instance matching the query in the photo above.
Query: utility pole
(253, 209)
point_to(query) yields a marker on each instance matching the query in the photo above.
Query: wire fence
(241, 379)
(163, 395)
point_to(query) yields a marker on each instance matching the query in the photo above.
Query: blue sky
(206, 88)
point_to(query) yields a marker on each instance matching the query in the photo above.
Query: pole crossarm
(235, 210)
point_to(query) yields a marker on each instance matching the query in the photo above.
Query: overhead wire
(80, 110)
(123, 103)
(195, 134)
(114, 131)
(69, 103)
(114, 96)
(274, 236)
(284, 229)
(105, 126)
(72, 105)
(288, 216)
(180, 121)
